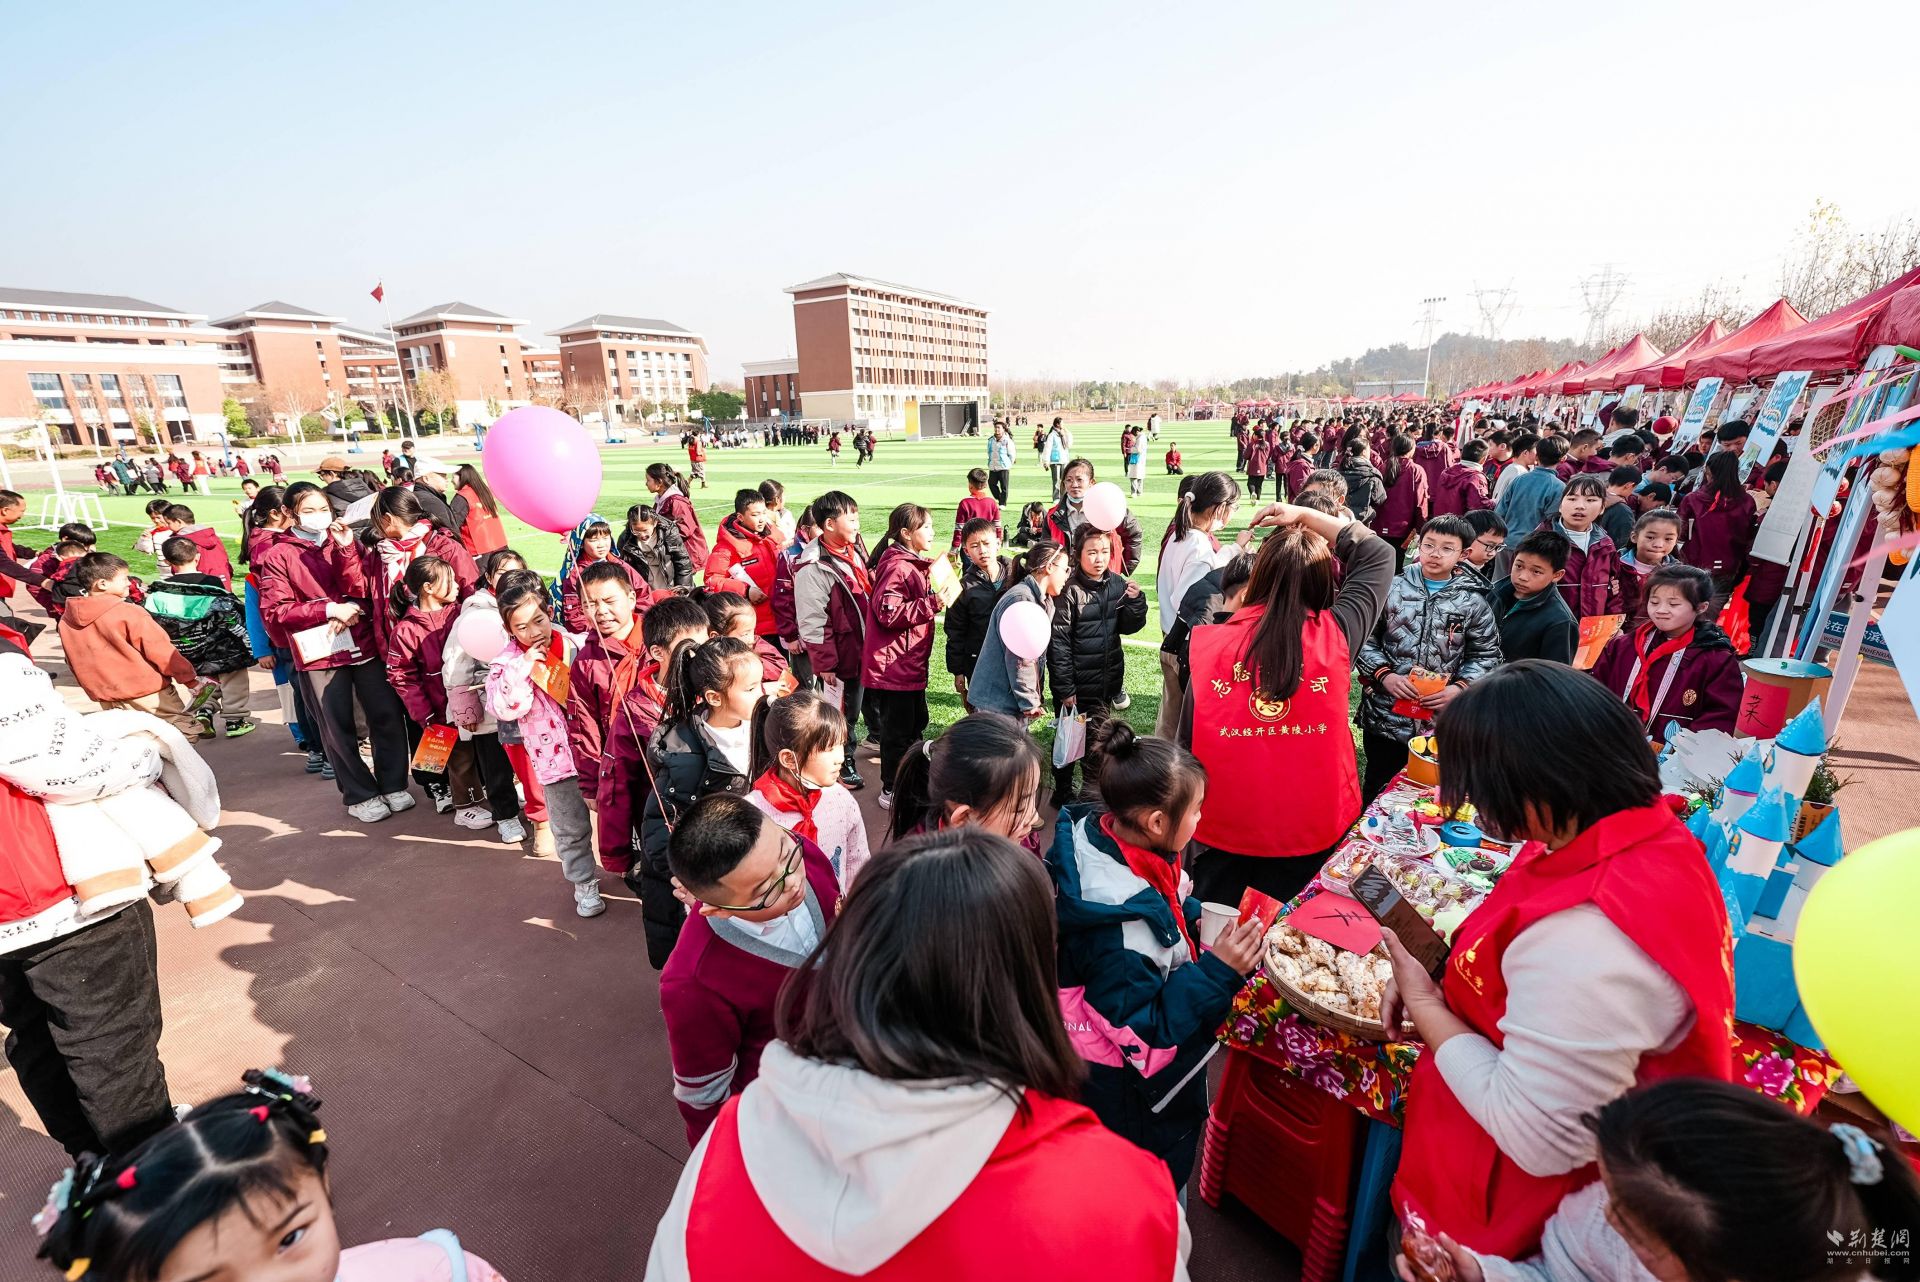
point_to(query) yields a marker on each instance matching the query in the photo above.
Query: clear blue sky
(1146, 190)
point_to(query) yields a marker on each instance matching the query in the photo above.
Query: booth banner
(1772, 419)
(1790, 510)
(1886, 398)
(1900, 635)
(1590, 408)
(1695, 418)
(1737, 407)
(1630, 399)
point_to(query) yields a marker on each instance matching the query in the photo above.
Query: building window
(172, 394)
(46, 390)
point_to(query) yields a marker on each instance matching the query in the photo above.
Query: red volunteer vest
(482, 531)
(1251, 746)
(6, 549)
(1025, 1218)
(1647, 873)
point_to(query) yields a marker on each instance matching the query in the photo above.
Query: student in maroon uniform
(1718, 522)
(1678, 666)
(1408, 503)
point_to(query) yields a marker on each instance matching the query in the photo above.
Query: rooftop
(457, 311)
(92, 302)
(602, 320)
(869, 282)
(276, 309)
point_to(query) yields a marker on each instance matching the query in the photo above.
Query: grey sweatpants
(572, 827)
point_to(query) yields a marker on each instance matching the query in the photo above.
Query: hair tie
(78, 1269)
(259, 1112)
(1863, 1153)
(124, 1180)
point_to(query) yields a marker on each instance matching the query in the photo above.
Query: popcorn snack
(1349, 983)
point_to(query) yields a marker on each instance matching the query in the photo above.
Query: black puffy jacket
(970, 615)
(1365, 490)
(1084, 660)
(687, 765)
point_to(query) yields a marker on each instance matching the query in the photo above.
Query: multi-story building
(619, 362)
(898, 357)
(296, 361)
(773, 387)
(478, 350)
(107, 370)
(543, 373)
(372, 370)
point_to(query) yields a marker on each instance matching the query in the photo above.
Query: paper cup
(1214, 919)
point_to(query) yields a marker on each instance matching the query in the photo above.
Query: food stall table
(1275, 1139)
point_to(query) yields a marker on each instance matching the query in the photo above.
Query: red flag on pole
(379, 292)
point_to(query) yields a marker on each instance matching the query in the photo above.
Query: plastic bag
(1069, 740)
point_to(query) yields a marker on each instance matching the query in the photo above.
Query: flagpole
(400, 367)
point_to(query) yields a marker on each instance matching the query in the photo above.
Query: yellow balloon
(1853, 949)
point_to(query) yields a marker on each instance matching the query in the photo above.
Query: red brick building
(772, 387)
(107, 370)
(622, 361)
(477, 349)
(895, 356)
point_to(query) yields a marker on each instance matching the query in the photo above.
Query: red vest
(1027, 1217)
(6, 550)
(1252, 747)
(482, 531)
(1647, 873)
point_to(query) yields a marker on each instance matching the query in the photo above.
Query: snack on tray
(1333, 977)
(1428, 888)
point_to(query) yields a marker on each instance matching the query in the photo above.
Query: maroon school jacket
(1705, 694)
(1462, 489)
(1716, 534)
(1408, 503)
(1592, 583)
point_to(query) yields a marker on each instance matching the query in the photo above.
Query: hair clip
(317, 1137)
(260, 1112)
(124, 1180)
(1863, 1153)
(78, 1269)
(59, 1197)
(298, 1085)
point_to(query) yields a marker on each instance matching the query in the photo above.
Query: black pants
(902, 719)
(83, 1019)
(1386, 757)
(331, 694)
(998, 485)
(1254, 485)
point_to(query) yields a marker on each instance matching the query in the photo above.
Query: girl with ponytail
(669, 490)
(1189, 551)
(1003, 681)
(1141, 995)
(708, 741)
(237, 1189)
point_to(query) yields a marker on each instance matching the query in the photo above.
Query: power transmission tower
(1495, 305)
(1426, 379)
(1599, 293)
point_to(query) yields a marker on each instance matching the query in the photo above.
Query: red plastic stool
(1290, 1154)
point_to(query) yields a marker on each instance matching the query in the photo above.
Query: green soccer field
(931, 473)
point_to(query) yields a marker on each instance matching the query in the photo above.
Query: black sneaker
(850, 778)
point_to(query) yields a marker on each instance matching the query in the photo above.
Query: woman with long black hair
(1268, 705)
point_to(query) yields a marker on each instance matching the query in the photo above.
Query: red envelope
(1342, 922)
(1254, 903)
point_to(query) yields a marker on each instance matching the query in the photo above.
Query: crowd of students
(682, 707)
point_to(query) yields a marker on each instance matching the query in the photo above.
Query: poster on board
(1772, 418)
(1696, 416)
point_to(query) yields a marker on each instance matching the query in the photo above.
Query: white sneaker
(398, 801)
(474, 817)
(511, 831)
(370, 812)
(587, 901)
(886, 799)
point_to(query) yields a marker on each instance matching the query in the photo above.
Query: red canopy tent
(1409, 398)
(1898, 322)
(1547, 383)
(1509, 388)
(1780, 318)
(1633, 353)
(1833, 341)
(1840, 340)
(1648, 374)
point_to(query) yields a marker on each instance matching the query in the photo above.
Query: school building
(898, 357)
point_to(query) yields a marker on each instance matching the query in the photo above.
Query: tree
(717, 404)
(434, 393)
(236, 415)
(1831, 264)
(292, 403)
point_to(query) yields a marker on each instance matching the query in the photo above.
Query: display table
(1275, 1138)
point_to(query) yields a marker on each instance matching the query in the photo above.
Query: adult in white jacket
(79, 997)
(914, 1121)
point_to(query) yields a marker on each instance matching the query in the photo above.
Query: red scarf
(845, 555)
(1158, 871)
(1644, 645)
(791, 799)
(634, 669)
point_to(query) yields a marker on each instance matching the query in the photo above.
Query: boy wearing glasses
(763, 898)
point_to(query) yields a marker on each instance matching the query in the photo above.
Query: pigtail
(759, 755)
(683, 694)
(912, 796)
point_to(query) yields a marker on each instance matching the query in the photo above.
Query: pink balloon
(1106, 506)
(541, 464)
(480, 634)
(1025, 629)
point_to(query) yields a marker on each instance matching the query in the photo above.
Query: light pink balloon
(1106, 506)
(1025, 629)
(480, 634)
(542, 466)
